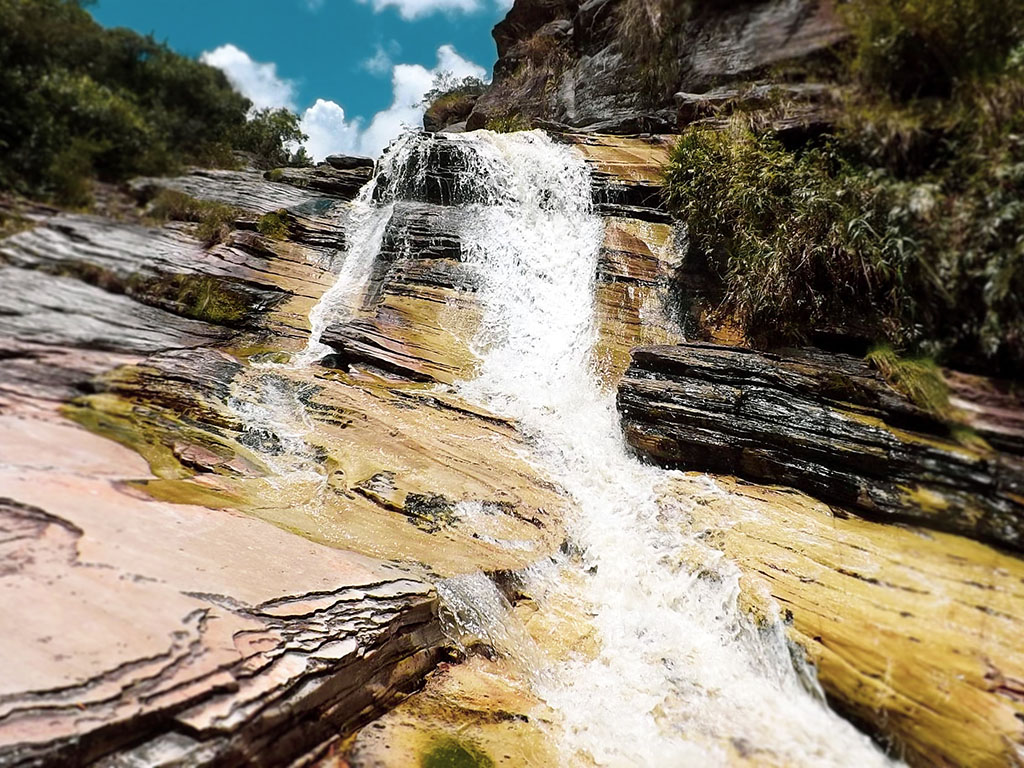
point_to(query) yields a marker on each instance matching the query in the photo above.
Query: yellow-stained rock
(915, 634)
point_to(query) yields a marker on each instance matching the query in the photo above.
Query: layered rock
(178, 633)
(205, 630)
(616, 65)
(913, 634)
(419, 310)
(824, 423)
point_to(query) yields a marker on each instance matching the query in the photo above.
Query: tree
(273, 136)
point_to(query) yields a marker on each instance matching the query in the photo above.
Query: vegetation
(907, 222)
(274, 225)
(214, 221)
(451, 99)
(272, 137)
(919, 378)
(83, 102)
(508, 124)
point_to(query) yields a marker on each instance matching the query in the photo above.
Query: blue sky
(354, 69)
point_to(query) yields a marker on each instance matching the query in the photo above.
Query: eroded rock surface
(581, 65)
(914, 634)
(164, 633)
(825, 423)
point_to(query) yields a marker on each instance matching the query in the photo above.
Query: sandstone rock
(914, 635)
(824, 423)
(248, 190)
(178, 634)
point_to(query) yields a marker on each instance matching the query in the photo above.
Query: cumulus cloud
(329, 129)
(409, 84)
(415, 9)
(257, 81)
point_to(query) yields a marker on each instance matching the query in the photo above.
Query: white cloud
(325, 122)
(257, 81)
(328, 130)
(414, 9)
(381, 62)
(409, 84)
(314, 5)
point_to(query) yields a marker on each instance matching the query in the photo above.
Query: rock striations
(825, 423)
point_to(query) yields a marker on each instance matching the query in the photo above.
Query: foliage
(919, 378)
(914, 48)
(12, 222)
(905, 224)
(274, 225)
(447, 85)
(215, 220)
(82, 102)
(272, 137)
(508, 124)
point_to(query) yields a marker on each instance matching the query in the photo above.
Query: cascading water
(680, 676)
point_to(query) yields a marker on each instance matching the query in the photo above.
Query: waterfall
(682, 676)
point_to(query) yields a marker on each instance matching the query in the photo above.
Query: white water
(681, 676)
(680, 673)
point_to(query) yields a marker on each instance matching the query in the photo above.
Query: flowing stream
(680, 676)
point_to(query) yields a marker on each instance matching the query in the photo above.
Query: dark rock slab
(325, 179)
(349, 162)
(827, 424)
(590, 79)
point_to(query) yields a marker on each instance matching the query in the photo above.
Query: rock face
(615, 65)
(182, 595)
(824, 423)
(177, 633)
(914, 635)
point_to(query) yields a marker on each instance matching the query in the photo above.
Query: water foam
(682, 676)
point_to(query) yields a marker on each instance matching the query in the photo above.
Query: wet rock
(827, 424)
(914, 635)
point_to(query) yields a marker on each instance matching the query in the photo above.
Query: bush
(215, 220)
(274, 225)
(907, 222)
(923, 48)
(508, 124)
(821, 240)
(272, 137)
(919, 378)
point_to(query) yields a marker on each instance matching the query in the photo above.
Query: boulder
(827, 424)
(349, 162)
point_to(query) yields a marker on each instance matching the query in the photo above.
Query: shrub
(821, 239)
(907, 222)
(272, 137)
(447, 85)
(508, 124)
(214, 221)
(911, 48)
(274, 225)
(919, 378)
